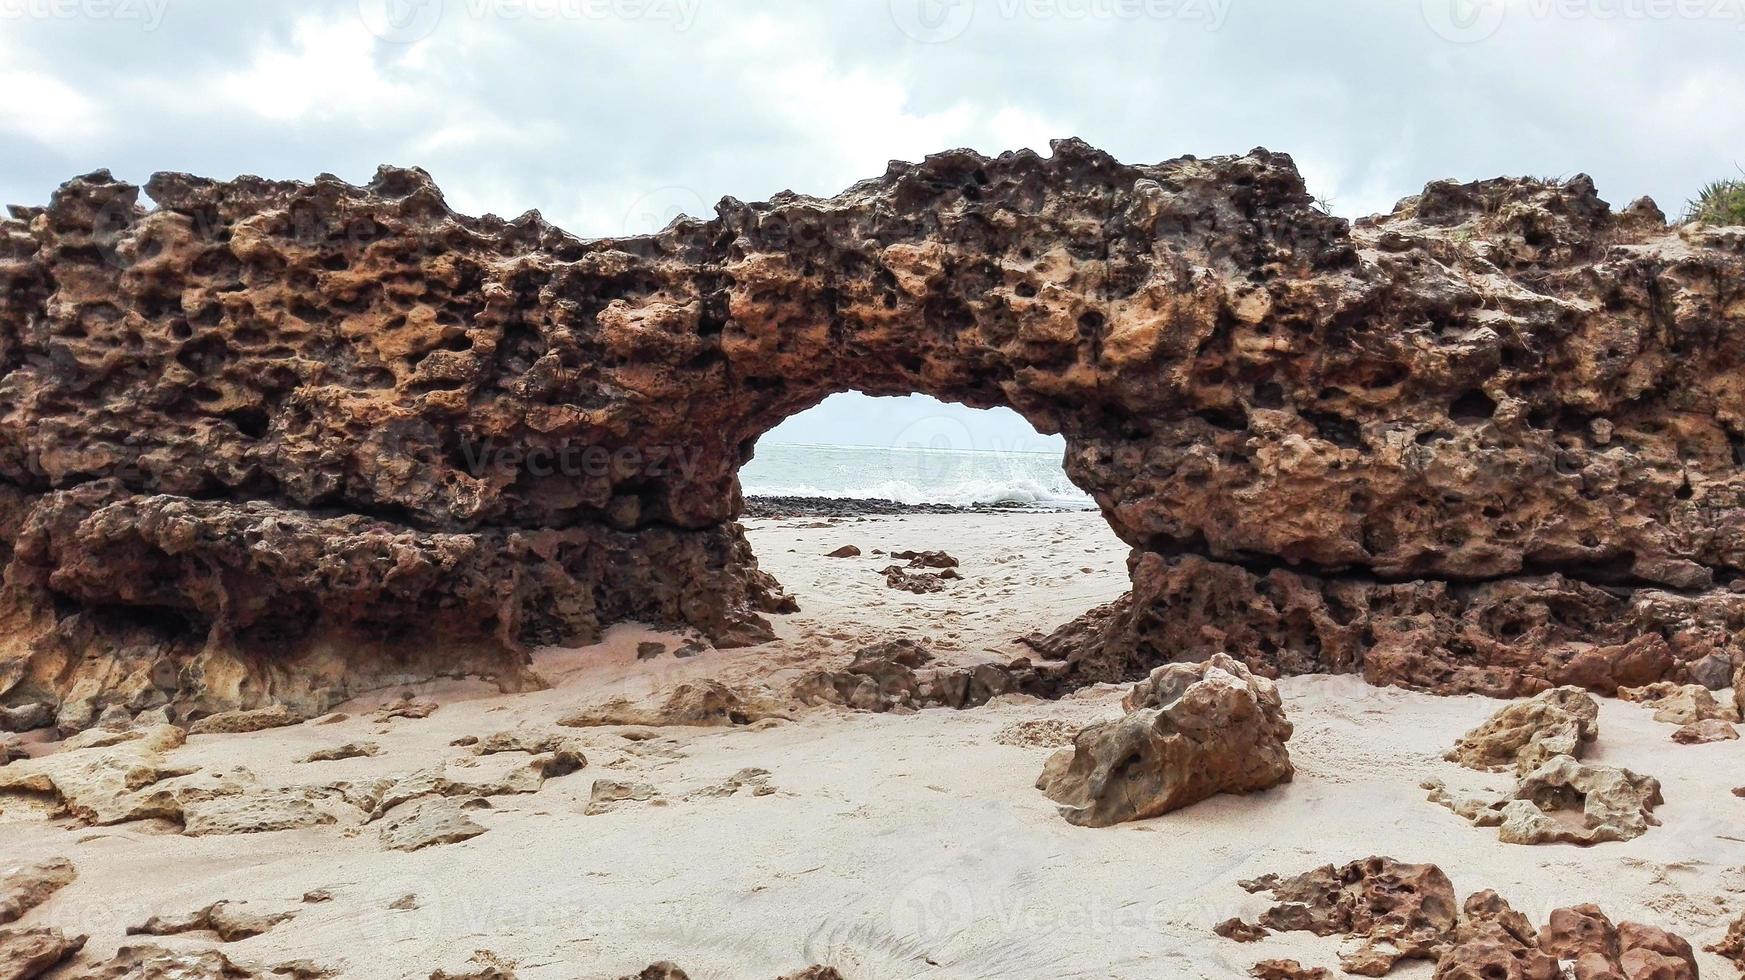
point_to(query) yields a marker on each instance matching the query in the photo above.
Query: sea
(913, 475)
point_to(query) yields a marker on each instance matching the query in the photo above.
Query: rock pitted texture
(1524, 735)
(1191, 731)
(276, 441)
(25, 886)
(1394, 912)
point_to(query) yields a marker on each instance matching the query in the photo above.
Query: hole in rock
(885, 475)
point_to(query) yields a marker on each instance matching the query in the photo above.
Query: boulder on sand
(1191, 731)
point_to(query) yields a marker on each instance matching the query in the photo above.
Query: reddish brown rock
(312, 438)
(25, 886)
(1396, 911)
(1287, 970)
(1494, 942)
(1733, 945)
(846, 551)
(1191, 731)
(1629, 951)
(1705, 732)
(1236, 930)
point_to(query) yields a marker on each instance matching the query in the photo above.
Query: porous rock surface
(1392, 911)
(272, 441)
(1191, 731)
(1525, 734)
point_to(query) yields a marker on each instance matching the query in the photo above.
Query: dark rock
(846, 551)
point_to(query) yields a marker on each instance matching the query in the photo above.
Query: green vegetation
(1720, 203)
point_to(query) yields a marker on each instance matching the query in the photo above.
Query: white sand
(894, 846)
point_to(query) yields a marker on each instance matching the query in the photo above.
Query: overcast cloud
(610, 116)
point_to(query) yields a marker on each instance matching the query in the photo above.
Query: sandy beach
(886, 845)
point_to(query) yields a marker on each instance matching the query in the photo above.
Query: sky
(612, 116)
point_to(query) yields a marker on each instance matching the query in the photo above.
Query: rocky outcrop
(25, 886)
(1630, 950)
(1681, 704)
(1191, 731)
(229, 921)
(1522, 736)
(1563, 802)
(29, 953)
(278, 441)
(1394, 912)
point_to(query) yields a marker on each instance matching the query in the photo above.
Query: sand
(892, 846)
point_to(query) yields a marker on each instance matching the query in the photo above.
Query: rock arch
(286, 441)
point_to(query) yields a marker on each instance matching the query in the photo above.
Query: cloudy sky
(610, 116)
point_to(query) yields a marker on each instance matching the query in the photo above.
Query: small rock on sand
(242, 722)
(25, 886)
(431, 821)
(846, 551)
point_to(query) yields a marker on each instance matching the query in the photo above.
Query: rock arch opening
(911, 451)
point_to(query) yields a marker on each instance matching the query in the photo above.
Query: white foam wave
(962, 494)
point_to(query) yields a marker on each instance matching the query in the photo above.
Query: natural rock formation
(237, 722)
(229, 921)
(150, 962)
(1563, 802)
(1495, 942)
(704, 703)
(29, 953)
(1630, 950)
(1704, 732)
(287, 441)
(1681, 704)
(1395, 911)
(25, 886)
(431, 820)
(898, 675)
(1191, 731)
(1287, 970)
(1239, 931)
(1733, 945)
(1524, 735)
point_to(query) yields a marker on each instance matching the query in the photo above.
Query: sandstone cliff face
(283, 441)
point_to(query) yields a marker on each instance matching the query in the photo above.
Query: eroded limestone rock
(1191, 731)
(25, 886)
(315, 439)
(1394, 911)
(1630, 950)
(229, 921)
(429, 821)
(705, 703)
(1522, 736)
(1494, 942)
(238, 722)
(1681, 704)
(1565, 801)
(1705, 732)
(29, 953)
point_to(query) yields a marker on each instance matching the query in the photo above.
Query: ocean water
(913, 475)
